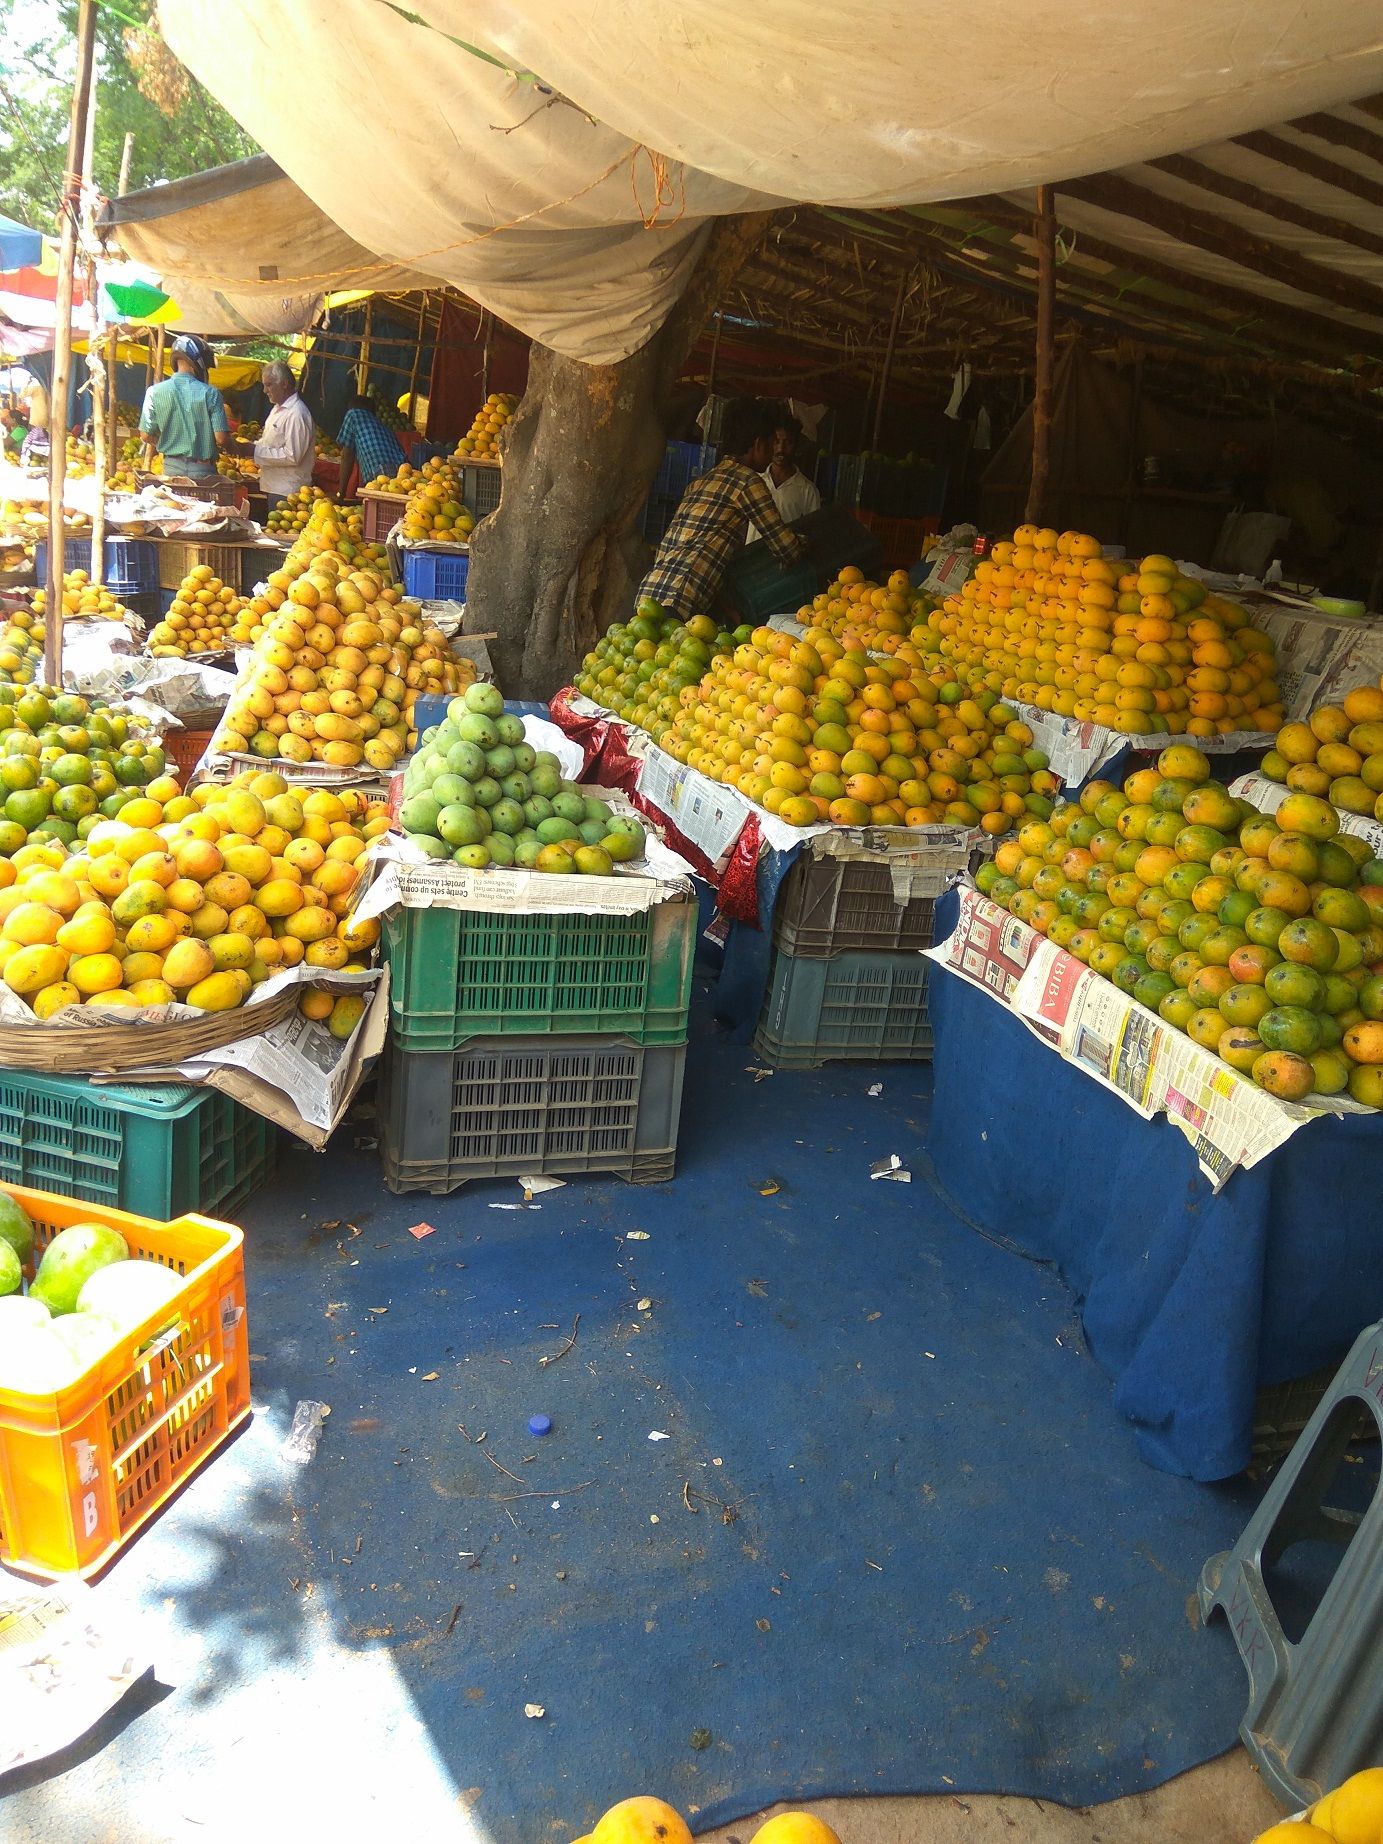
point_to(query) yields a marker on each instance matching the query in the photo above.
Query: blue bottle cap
(540, 1424)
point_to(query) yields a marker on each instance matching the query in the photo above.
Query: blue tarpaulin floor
(834, 1501)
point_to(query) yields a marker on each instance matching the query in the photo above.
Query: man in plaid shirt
(709, 526)
(366, 443)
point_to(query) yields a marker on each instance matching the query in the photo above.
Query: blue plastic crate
(76, 555)
(435, 576)
(682, 463)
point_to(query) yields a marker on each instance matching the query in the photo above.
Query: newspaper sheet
(64, 1661)
(1268, 796)
(710, 815)
(1319, 656)
(1154, 1068)
(296, 1073)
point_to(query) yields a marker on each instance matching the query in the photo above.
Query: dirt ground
(1223, 1802)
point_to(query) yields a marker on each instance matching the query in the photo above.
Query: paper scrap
(637, 1235)
(526, 1205)
(422, 1229)
(875, 1088)
(891, 1167)
(534, 1710)
(532, 1187)
(656, 1434)
(644, 1305)
(429, 1376)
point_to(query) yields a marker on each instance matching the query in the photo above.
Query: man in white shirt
(287, 450)
(793, 494)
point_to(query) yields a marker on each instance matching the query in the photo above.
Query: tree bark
(559, 560)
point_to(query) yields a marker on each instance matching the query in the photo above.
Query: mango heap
(291, 513)
(817, 731)
(1048, 620)
(639, 669)
(645, 1820)
(339, 659)
(435, 508)
(881, 617)
(1337, 753)
(478, 793)
(237, 467)
(201, 617)
(81, 458)
(21, 648)
(1260, 937)
(481, 440)
(194, 897)
(65, 762)
(330, 528)
(83, 600)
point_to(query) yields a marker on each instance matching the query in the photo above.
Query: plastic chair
(1315, 1712)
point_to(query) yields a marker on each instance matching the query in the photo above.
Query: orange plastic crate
(84, 1468)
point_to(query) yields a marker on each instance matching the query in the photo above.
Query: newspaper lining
(1154, 1068)
(64, 1662)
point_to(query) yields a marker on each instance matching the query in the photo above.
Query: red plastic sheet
(610, 765)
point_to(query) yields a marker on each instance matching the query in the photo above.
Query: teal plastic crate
(858, 1007)
(457, 974)
(159, 1151)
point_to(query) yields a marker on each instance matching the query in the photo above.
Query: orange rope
(663, 188)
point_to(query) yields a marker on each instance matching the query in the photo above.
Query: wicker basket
(97, 1045)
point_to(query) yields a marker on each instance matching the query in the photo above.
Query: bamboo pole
(888, 356)
(125, 154)
(1045, 233)
(95, 367)
(62, 341)
(417, 361)
(362, 370)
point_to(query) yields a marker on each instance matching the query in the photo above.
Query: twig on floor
(504, 1469)
(554, 1356)
(552, 1492)
(451, 1624)
(474, 1439)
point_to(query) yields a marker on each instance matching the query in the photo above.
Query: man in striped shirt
(367, 444)
(709, 526)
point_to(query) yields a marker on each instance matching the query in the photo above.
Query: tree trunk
(559, 560)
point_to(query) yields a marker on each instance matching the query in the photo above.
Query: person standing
(366, 443)
(709, 524)
(184, 417)
(793, 494)
(287, 451)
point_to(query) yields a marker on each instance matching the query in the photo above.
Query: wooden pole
(95, 367)
(715, 354)
(62, 341)
(125, 153)
(362, 370)
(417, 361)
(1045, 231)
(888, 355)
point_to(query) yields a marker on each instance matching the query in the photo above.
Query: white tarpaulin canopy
(542, 199)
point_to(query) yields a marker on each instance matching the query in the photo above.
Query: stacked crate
(529, 1043)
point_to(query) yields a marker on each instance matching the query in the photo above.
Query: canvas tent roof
(509, 149)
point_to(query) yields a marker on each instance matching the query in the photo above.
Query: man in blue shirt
(366, 443)
(184, 417)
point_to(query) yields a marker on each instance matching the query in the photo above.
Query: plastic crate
(158, 1150)
(830, 906)
(129, 565)
(658, 514)
(379, 513)
(480, 486)
(176, 557)
(512, 1107)
(459, 974)
(85, 1467)
(859, 1007)
(435, 576)
(756, 587)
(901, 539)
(185, 749)
(682, 463)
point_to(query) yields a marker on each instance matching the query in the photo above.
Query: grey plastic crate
(857, 1007)
(828, 906)
(512, 1106)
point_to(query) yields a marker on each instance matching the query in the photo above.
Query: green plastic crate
(858, 1007)
(159, 1151)
(459, 974)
